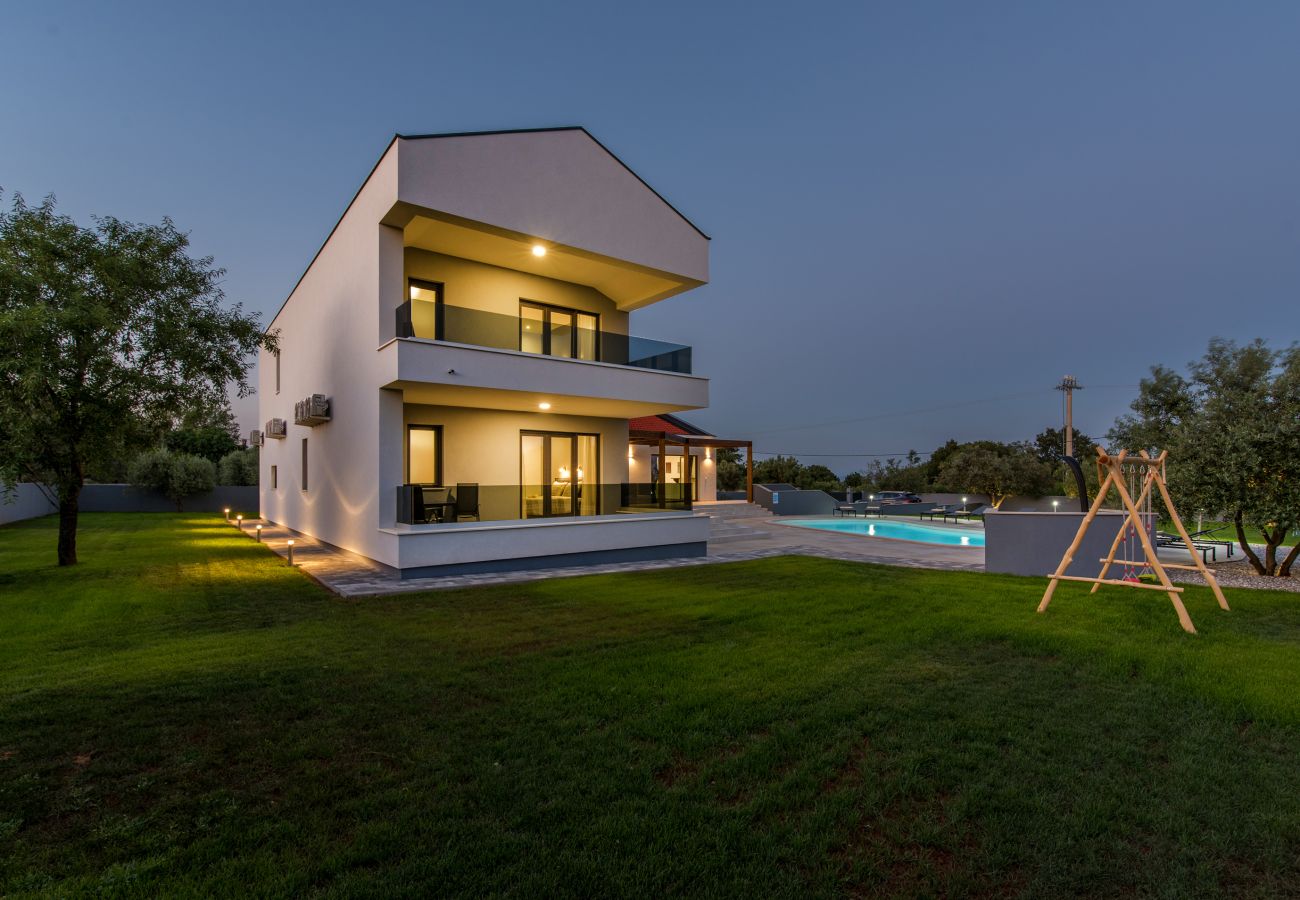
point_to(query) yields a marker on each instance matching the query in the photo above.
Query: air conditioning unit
(315, 410)
(255, 438)
(276, 428)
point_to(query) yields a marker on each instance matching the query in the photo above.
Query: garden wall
(126, 498)
(1032, 543)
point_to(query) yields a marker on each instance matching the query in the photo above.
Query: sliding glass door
(554, 331)
(559, 474)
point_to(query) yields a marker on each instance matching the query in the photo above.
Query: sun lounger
(969, 511)
(941, 511)
(1209, 551)
(845, 509)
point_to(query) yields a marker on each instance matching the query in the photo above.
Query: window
(427, 313)
(304, 464)
(559, 474)
(275, 478)
(554, 331)
(674, 474)
(424, 454)
(277, 371)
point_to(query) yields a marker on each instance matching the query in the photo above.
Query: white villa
(456, 375)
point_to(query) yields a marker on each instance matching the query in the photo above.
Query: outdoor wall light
(259, 534)
(708, 455)
(543, 406)
(631, 452)
(290, 543)
(538, 250)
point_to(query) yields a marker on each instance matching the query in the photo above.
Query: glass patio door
(559, 474)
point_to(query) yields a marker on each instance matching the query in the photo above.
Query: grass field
(181, 714)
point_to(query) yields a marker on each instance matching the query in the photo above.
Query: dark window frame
(277, 371)
(439, 290)
(437, 454)
(275, 478)
(695, 471)
(304, 465)
(547, 309)
(546, 467)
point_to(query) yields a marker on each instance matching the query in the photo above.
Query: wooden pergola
(662, 439)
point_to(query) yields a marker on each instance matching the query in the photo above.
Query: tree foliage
(998, 470)
(103, 328)
(174, 475)
(239, 467)
(730, 469)
(1232, 429)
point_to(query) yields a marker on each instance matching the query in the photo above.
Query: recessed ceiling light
(543, 406)
(539, 250)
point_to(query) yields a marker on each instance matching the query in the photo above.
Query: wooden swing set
(1125, 473)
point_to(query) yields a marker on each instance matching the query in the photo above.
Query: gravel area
(1237, 573)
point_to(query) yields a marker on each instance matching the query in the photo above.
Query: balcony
(461, 325)
(470, 358)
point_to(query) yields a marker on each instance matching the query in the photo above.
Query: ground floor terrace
(183, 714)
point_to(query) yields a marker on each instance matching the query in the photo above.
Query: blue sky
(923, 214)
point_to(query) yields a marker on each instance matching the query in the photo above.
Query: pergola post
(686, 476)
(749, 471)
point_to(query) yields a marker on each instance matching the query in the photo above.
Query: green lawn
(182, 714)
(1226, 531)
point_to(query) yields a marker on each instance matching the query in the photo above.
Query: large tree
(102, 328)
(1232, 429)
(998, 470)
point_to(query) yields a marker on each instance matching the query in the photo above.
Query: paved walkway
(739, 533)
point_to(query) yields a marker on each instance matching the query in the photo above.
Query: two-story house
(456, 372)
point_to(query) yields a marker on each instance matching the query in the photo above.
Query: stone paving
(750, 533)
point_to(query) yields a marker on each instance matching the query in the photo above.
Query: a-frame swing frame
(1154, 477)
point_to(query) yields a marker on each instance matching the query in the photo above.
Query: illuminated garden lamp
(290, 551)
(227, 512)
(259, 534)
(239, 522)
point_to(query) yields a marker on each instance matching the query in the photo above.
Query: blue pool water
(899, 531)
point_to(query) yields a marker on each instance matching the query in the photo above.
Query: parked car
(888, 498)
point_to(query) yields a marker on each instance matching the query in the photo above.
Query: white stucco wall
(328, 331)
(558, 184)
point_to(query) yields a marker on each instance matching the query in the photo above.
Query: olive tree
(1232, 429)
(102, 328)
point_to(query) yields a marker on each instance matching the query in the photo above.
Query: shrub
(175, 475)
(238, 467)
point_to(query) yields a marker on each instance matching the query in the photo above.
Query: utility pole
(1069, 384)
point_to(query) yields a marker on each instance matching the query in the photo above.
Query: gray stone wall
(1032, 543)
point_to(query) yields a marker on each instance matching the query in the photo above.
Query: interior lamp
(579, 473)
(564, 473)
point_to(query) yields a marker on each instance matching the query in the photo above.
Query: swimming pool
(898, 531)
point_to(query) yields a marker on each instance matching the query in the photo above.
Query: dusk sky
(923, 214)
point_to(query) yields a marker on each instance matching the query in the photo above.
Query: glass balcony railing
(428, 504)
(458, 324)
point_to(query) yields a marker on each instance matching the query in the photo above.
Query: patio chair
(466, 501)
(429, 500)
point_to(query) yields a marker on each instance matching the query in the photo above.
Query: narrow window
(304, 464)
(424, 454)
(277, 371)
(425, 310)
(275, 478)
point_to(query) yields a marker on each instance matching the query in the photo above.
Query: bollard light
(239, 522)
(290, 551)
(259, 534)
(227, 512)
(1055, 504)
